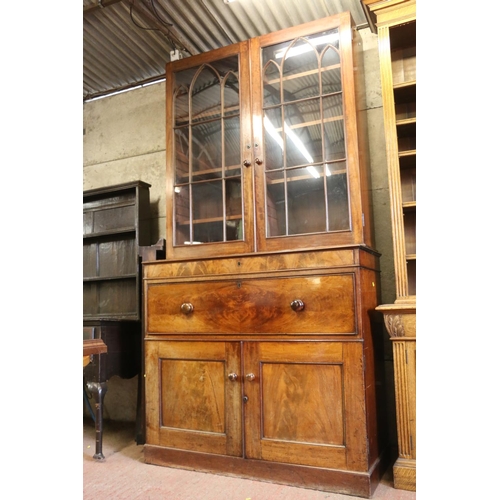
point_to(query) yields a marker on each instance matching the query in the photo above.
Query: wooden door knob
(187, 308)
(297, 305)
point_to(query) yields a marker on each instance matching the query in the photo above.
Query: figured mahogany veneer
(254, 306)
(292, 393)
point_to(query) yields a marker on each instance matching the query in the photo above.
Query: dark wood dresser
(116, 227)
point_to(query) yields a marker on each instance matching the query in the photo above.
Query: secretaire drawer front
(312, 304)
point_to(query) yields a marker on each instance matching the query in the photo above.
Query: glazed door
(305, 403)
(306, 164)
(209, 185)
(193, 397)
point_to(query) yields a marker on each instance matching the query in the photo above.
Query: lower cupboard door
(305, 404)
(192, 403)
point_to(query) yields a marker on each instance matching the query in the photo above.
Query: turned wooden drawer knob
(297, 305)
(232, 377)
(187, 308)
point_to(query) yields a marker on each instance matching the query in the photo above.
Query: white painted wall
(124, 140)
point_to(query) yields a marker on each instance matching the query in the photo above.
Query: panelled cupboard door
(304, 401)
(193, 401)
(305, 404)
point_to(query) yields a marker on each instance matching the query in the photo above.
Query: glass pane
(185, 77)
(273, 139)
(303, 133)
(338, 167)
(205, 95)
(334, 128)
(226, 66)
(232, 153)
(208, 232)
(233, 197)
(181, 106)
(271, 84)
(274, 53)
(325, 39)
(234, 226)
(231, 95)
(306, 200)
(276, 221)
(181, 155)
(338, 202)
(206, 148)
(330, 76)
(300, 71)
(207, 212)
(234, 230)
(182, 209)
(208, 197)
(316, 42)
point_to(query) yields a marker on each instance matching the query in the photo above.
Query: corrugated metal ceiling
(126, 43)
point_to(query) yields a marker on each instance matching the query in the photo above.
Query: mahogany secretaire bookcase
(261, 357)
